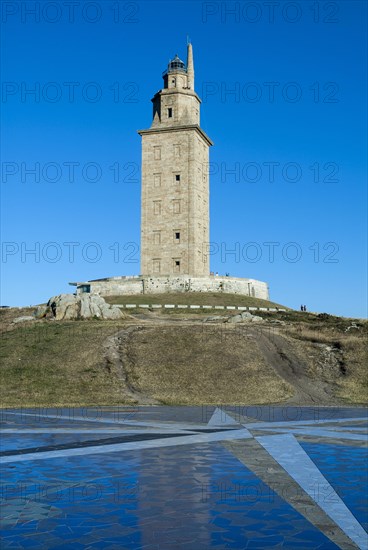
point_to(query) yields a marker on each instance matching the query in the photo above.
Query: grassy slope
(58, 363)
(62, 363)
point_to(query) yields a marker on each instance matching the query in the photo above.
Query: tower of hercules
(175, 179)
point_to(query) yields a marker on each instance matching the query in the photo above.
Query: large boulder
(257, 319)
(235, 319)
(85, 306)
(65, 307)
(42, 312)
(245, 317)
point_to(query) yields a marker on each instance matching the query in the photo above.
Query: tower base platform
(138, 284)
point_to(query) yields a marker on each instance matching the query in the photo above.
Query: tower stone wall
(175, 179)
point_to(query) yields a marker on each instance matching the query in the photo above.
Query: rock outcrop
(71, 307)
(24, 319)
(245, 317)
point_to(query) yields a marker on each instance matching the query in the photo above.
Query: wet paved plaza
(193, 478)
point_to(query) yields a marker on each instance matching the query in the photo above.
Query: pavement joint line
(86, 431)
(346, 428)
(121, 447)
(320, 432)
(153, 423)
(71, 418)
(300, 422)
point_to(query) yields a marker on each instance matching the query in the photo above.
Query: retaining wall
(159, 285)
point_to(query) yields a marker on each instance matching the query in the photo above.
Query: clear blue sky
(308, 127)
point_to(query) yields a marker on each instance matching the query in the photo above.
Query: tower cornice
(172, 129)
(183, 91)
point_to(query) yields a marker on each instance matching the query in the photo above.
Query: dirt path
(117, 355)
(279, 353)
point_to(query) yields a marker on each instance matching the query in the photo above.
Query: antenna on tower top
(188, 39)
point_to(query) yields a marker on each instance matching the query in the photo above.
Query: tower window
(177, 236)
(169, 112)
(156, 265)
(157, 152)
(176, 266)
(157, 207)
(157, 237)
(177, 177)
(157, 180)
(177, 151)
(177, 263)
(176, 206)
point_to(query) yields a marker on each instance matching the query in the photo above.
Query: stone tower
(175, 179)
